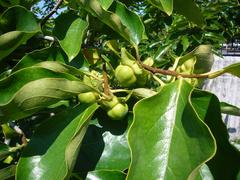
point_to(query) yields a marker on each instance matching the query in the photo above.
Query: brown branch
(171, 73)
(105, 80)
(58, 4)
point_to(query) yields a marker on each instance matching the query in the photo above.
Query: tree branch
(171, 73)
(105, 80)
(58, 4)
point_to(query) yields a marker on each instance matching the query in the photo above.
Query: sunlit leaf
(167, 133)
(119, 18)
(70, 36)
(233, 69)
(30, 89)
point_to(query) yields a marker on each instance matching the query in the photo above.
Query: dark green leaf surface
(225, 164)
(70, 36)
(4, 150)
(189, 9)
(106, 175)
(121, 20)
(8, 172)
(167, 139)
(52, 150)
(18, 25)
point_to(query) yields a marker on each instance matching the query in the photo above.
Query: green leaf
(70, 36)
(189, 9)
(8, 172)
(167, 139)
(204, 173)
(164, 5)
(106, 175)
(185, 43)
(4, 150)
(106, 3)
(38, 56)
(52, 59)
(22, 95)
(233, 69)
(225, 164)
(120, 19)
(53, 148)
(10, 3)
(229, 109)
(18, 25)
(204, 59)
(104, 144)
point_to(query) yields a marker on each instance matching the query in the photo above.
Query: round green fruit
(88, 97)
(109, 104)
(118, 112)
(125, 75)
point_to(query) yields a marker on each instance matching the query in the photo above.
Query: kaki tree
(78, 100)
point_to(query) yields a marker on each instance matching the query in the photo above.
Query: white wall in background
(227, 88)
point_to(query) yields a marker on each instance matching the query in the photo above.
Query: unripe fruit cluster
(130, 74)
(115, 109)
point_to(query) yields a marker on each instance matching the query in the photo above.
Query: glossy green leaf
(233, 69)
(31, 89)
(189, 9)
(167, 139)
(70, 36)
(225, 164)
(105, 146)
(229, 109)
(8, 172)
(10, 3)
(52, 151)
(18, 25)
(164, 5)
(120, 19)
(106, 175)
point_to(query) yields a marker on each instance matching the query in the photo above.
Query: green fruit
(118, 112)
(109, 104)
(88, 97)
(125, 75)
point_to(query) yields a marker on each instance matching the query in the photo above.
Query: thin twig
(171, 73)
(105, 80)
(58, 4)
